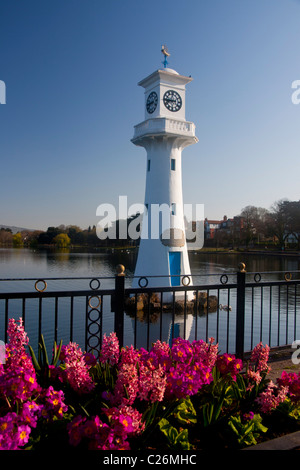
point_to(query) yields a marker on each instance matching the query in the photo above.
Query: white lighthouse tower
(163, 255)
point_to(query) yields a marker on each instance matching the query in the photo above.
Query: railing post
(240, 311)
(119, 303)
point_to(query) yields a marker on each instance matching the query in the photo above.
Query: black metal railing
(238, 309)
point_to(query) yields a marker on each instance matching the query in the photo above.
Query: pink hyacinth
(17, 375)
(152, 382)
(260, 357)
(206, 353)
(270, 398)
(18, 338)
(127, 379)
(253, 378)
(129, 355)
(76, 370)
(110, 350)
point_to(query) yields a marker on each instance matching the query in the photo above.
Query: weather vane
(166, 54)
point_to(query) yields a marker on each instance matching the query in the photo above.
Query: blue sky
(71, 69)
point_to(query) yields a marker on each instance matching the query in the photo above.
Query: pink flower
(229, 364)
(188, 379)
(123, 422)
(18, 377)
(152, 382)
(110, 350)
(292, 381)
(17, 336)
(206, 353)
(129, 355)
(75, 430)
(260, 356)
(52, 403)
(253, 377)
(182, 351)
(90, 359)
(248, 416)
(13, 433)
(127, 380)
(160, 354)
(76, 370)
(125, 419)
(22, 435)
(30, 413)
(97, 434)
(270, 398)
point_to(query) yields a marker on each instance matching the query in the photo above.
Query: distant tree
(17, 240)
(285, 220)
(254, 223)
(46, 238)
(6, 236)
(73, 231)
(33, 238)
(62, 240)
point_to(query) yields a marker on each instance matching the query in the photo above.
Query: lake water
(34, 264)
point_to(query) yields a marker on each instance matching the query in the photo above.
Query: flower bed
(184, 397)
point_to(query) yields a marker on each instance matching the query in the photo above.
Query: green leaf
(168, 430)
(44, 351)
(34, 359)
(56, 353)
(183, 439)
(185, 412)
(211, 412)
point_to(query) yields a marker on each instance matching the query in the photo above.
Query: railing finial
(242, 267)
(120, 270)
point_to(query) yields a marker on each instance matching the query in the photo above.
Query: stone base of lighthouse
(151, 303)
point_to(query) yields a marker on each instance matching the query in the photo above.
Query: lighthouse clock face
(172, 100)
(151, 103)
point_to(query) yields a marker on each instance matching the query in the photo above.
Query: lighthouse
(163, 255)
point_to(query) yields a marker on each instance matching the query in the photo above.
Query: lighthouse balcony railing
(164, 125)
(237, 309)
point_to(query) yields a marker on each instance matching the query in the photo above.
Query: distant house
(210, 227)
(291, 238)
(234, 225)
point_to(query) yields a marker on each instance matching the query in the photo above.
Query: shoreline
(247, 252)
(130, 249)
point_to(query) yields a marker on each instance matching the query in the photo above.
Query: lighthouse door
(175, 267)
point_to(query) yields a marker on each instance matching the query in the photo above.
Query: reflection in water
(26, 263)
(161, 327)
